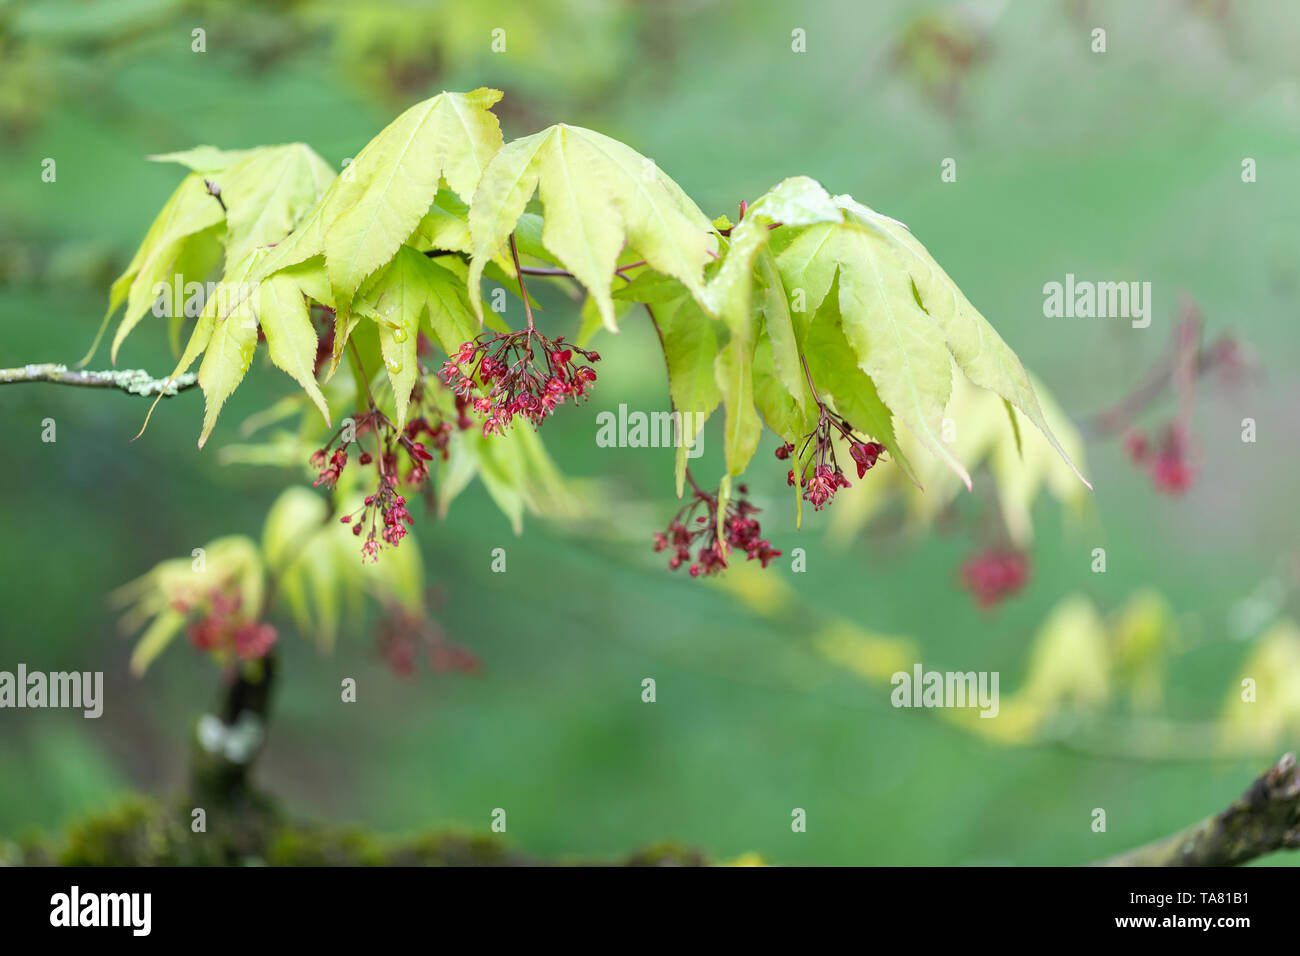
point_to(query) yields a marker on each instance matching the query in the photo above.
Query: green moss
(252, 831)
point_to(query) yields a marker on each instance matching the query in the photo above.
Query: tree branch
(1263, 819)
(135, 381)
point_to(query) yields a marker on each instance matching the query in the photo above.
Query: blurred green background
(1122, 165)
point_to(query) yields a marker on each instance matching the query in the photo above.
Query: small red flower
(222, 628)
(816, 451)
(514, 382)
(865, 454)
(1166, 464)
(329, 474)
(994, 575)
(691, 531)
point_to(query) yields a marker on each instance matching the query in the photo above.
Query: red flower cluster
(512, 381)
(827, 478)
(439, 437)
(331, 467)
(383, 516)
(821, 487)
(400, 635)
(690, 529)
(994, 575)
(1167, 464)
(221, 628)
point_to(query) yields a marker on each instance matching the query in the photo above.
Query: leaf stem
(808, 376)
(523, 289)
(359, 368)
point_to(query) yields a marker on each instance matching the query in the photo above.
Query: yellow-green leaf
(596, 194)
(267, 193)
(190, 210)
(290, 337)
(388, 188)
(229, 350)
(975, 345)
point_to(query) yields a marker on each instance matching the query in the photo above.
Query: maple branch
(133, 380)
(1181, 364)
(1263, 819)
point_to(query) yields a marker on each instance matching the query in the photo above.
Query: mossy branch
(133, 380)
(1263, 819)
(143, 832)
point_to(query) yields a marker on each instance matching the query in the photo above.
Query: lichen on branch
(134, 381)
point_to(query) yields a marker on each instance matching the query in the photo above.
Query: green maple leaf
(380, 199)
(266, 194)
(203, 159)
(798, 201)
(901, 314)
(734, 369)
(975, 345)
(690, 345)
(290, 337)
(834, 366)
(230, 342)
(189, 211)
(597, 194)
(406, 289)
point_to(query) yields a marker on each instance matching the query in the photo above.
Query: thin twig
(1181, 364)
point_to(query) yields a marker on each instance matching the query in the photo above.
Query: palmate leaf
(290, 337)
(383, 195)
(596, 194)
(901, 315)
(410, 287)
(189, 211)
(798, 201)
(975, 345)
(231, 341)
(896, 343)
(202, 159)
(356, 227)
(833, 364)
(810, 284)
(226, 341)
(690, 345)
(151, 600)
(981, 435)
(315, 562)
(267, 193)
